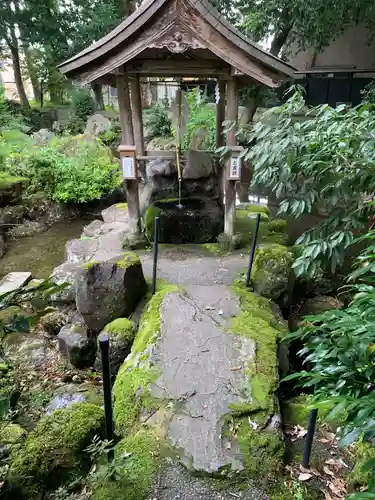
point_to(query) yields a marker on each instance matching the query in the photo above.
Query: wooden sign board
(128, 162)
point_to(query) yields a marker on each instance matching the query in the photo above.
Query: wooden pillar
(131, 186)
(220, 137)
(230, 186)
(220, 116)
(135, 88)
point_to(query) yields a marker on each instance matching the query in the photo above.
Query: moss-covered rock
(121, 333)
(296, 411)
(320, 304)
(196, 221)
(11, 434)
(269, 231)
(272, 271)
(137, 474)
(9, 390)
(55, 450)
(259, 322)
(261, 445)
(109, 290)
(131, 387)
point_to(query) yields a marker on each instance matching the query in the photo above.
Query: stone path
(201, 369)
(201, 364)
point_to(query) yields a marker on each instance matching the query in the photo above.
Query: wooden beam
(131, 186)
(135, 88)
(230, 186)
(181, 66)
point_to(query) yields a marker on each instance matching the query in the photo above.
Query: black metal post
(253, 248)
(309, 438)
(156, 244)
(107, 389)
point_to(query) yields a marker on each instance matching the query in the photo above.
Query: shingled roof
(171, 32)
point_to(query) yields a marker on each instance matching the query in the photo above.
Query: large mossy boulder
(193, 221)
(205, 380)
(270, 231)
(109, 290)
(271, 272)
(55, 451)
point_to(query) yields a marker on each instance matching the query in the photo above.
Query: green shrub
(201, 117)
(10, 116)
(83, 105)
(157, 121)
(68, 169)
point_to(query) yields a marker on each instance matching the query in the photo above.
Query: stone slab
(117, 213)
(102, 248)
(200, 363)
(12, 281)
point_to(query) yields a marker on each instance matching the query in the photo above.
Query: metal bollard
(156, 244)
(309, 438)
(107, 389)
(253, 248)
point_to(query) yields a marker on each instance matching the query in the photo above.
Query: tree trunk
(13, 47)
(280, 38)
(99, 99)
(32, 73)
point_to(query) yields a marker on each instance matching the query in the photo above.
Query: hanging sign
(234, 165)
(128, 161)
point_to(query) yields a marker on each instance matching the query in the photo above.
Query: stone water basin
(194, 220)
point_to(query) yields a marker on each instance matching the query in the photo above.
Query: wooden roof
(179, 38)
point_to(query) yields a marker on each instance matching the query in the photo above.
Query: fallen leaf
(327, 496)
(328, 471)
(236, 368)
(305, 477)
(315, 472)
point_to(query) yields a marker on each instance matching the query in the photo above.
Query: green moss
(11, 434)
(121, 328)
(6, 181)
(254, 208)
(364, 452)
(257, 321)
(128, 259)
(271, 270)
(122, 206)
(138, 474)
(296, 411)
(55, 450)
(90, 264)
(149, 220)
(245, 226)
(131, 387)
(262, 451)
(131, 395)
